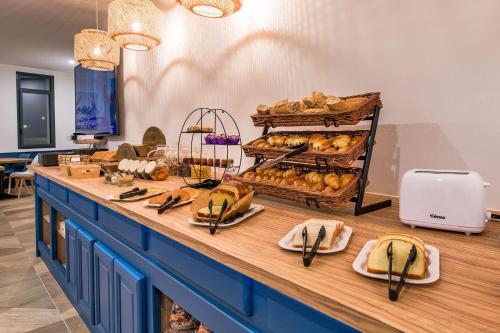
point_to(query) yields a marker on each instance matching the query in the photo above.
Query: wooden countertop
(465, 299)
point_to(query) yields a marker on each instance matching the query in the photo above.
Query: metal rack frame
(359, 209)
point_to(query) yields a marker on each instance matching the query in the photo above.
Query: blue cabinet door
(103, 295)
(85, 274)
(71, 262)
(130, 301)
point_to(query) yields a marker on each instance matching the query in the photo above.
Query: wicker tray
(351, 117)
(308, 197)
(342, 159)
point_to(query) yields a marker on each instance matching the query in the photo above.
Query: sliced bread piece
(333, 229)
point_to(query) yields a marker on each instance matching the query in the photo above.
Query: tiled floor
(30, 298)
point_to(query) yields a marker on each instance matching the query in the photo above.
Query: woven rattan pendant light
(212, 8)
(135, 24)
(94, 49)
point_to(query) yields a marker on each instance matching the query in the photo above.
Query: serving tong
(307, 258)
(207, 183)
(296, 150)
(169, 203)
(133, 192)
(213, 228)
(394, 293)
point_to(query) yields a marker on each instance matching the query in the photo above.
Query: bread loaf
(378, 262)
(333, 229)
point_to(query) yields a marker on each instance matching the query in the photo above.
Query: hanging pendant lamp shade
(212, 8)
(135, 24)
(94, 49)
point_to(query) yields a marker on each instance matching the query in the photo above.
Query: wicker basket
(73, 159)
(351, 117)
(308, 197)
(341, 159)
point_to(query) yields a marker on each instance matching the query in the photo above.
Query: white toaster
(442, 199)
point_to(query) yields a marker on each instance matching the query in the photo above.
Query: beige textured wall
(437, 64)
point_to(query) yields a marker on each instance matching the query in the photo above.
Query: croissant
(332, 180)
(259, 178)
(322, 144)
(278, 179)
(262, 145)
(328, 189)
(284, 182)
(343, 149)
(290, 173)
(266, 178)
(345, 179)
(272, 140)
(313, 178)
(318, 187)
(331, 149)
(299, 183)
(259, 171)
(280, 141)
(279, 173)
(250, 175)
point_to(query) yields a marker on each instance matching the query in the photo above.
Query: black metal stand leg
(360, 209)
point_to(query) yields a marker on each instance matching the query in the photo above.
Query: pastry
(378, 262)
(343, 149)
(345, 179)
(258, 142)
(328, 190)
(340, 141)
(355, 140)
(313, 178)
(290, 173)
(280, 107)
(259, 178)
(262, 109)
(276, 141)
(299, 183)
(199, 129)
(296, 140)
(318, 187)
(314, 110)
(331, 150)
(332, 180)
(250, 175)
(333, 229)
(322, 144)
(315, 138)
(331, 101)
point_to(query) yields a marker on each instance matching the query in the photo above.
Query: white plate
(339, 244)
(147, 204)
(360, 265)
(254, 208)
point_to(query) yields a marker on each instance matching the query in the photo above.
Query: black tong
(133, 192)
(213, 228)
(207, 183)
(169, 203)
(308, 257)
(296, 150)
(394, 293)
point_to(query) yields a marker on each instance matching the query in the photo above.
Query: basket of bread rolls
(318, 109)
(339, 148)
(324, 188)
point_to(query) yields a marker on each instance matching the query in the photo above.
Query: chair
(21, 177)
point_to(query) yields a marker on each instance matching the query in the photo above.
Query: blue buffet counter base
(116, 270)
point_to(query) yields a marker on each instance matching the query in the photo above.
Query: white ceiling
(39, 33)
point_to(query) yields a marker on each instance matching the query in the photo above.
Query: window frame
(49, 93)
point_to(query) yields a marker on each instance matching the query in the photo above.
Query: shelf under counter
(330, 285)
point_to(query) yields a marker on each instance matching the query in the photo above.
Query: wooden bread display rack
(309, 197)
(368, 110)
(342, 159)
(326, 118)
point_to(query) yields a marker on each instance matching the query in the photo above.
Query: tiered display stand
(368, 111)
(220, 121)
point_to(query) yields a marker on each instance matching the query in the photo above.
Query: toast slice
(378, 262)
(333, 229)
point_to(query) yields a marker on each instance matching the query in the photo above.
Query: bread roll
(332, 180)
(280, 107)
(262, 109)
(348, 104)
(340, 141)
(331, 101)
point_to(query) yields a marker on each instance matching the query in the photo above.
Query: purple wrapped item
(221, 139)
(233, 139)
(210, 139)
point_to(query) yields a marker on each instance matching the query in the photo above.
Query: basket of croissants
(339, 148)
(328, 188)
(318, 109)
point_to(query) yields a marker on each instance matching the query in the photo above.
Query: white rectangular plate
(147, 204)
(254, 209)
(339, 244)
(361, 262)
